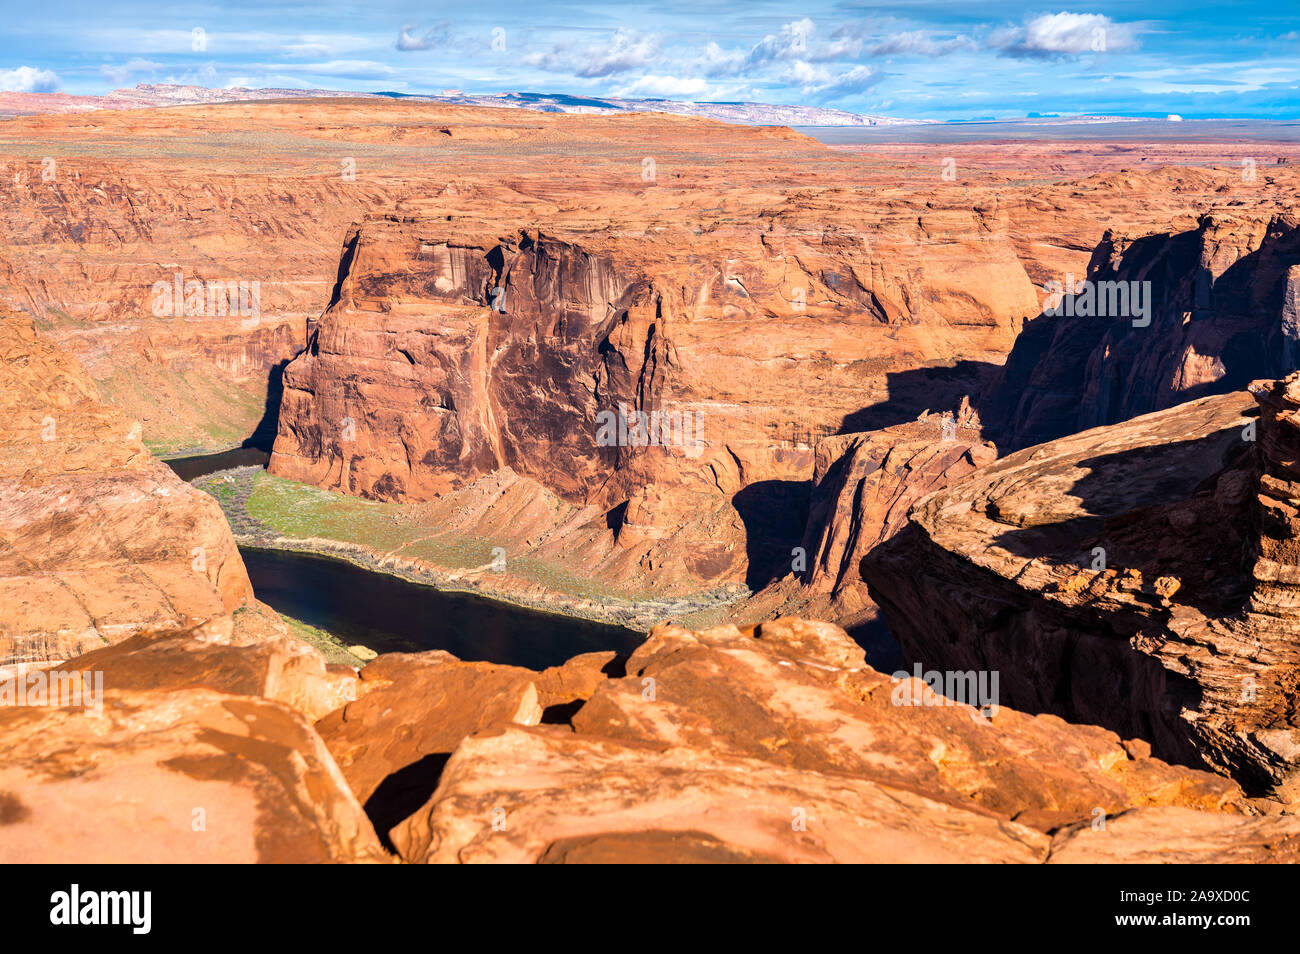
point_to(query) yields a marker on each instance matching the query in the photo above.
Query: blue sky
(960, 59)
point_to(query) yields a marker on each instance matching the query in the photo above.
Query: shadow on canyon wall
(1068, 373)
(1078, 662)
(917, 390)
(263, 436)
(775, 514)
(1124, 503)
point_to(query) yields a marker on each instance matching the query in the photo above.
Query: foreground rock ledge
(775, 743)
(177, 776)
(772, 743)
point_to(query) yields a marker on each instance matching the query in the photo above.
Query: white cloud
(436, 35)
(716, 61)
(625, 51)
(796, 41)
(806, 74)
(663, 86)
(881, 36)
(28, 79)
(856, 80)
(917, 43)
(119, 75)
(1054, 35)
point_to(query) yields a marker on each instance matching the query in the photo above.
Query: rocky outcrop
(862, 488)
(574, 799)
(407, 389)
(1224, 309)
(447, 353)
(180, 746)
(1137, 576)
(776, 743)
(98, 540)
(1178, 836)
(248, 654)
(413, 710)
(174, 776)
(764, 744)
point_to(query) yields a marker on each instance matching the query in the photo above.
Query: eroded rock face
(174, 776)
(1135, 576)
(413, 710)
(98, 540)
(1224, 300)
(602, 365)
(1169, 835)
(250, 654)
(776, 743)
(448, 354)
(862, 488)
(439, 392)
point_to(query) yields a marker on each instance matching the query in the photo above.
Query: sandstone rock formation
(413, 710)
(506, 283)
(1136, 576)
(775, 743)
(766, 744)
(248, 654)
(875, 285)
(178, 746)
(565, 798)
(862, 488)
(1178, 836)
(174, 776)
(97, 538)
(1224, 310)
(451, 352)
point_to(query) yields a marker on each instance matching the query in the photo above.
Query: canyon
(806, 419)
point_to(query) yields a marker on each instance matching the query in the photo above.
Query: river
(390, 614)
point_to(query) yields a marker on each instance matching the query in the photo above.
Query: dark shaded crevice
(403, 793)
(345, 266)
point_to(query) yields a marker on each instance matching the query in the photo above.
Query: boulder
(174, 776)
(249, 654)
(412, 710)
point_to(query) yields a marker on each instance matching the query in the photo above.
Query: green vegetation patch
(301, 510)
(327, 644)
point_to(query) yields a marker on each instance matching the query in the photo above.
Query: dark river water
(389, 614)
(190, 468)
